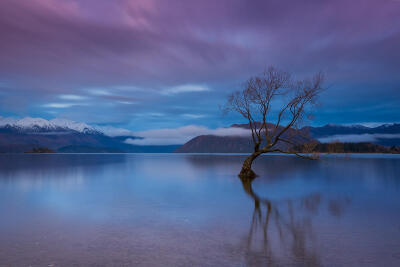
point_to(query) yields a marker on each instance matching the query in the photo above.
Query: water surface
(192, 210)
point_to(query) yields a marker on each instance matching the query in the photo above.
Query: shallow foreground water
(193, 210)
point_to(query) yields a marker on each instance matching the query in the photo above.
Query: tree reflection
(281, 233)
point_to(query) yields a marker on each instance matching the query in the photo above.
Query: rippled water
(192, 210)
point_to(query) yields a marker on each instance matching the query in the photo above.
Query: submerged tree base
(247, 173)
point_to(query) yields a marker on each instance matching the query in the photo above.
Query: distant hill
(235, 144)
(386, 134)
(338, 147)
(216, 144)
(336, 129)
(376, 137)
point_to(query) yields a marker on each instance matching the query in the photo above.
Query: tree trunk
(246, 171)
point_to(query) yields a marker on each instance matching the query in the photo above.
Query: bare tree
(270, 126)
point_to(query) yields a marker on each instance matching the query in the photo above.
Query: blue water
(193, 210)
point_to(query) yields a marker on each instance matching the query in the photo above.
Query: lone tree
(270, 127)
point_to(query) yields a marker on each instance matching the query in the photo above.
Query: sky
(156, 64)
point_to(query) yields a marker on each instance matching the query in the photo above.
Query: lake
(193, 210)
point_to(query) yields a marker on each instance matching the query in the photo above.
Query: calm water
(192, 210)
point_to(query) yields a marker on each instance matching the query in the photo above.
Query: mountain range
(66, 136)
(39, 125)
(61, 135)
(386, 134)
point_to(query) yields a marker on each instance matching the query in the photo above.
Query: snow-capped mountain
(72, 125)
(40, 125)
(66, 136)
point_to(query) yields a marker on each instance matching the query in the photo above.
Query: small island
(40, 150)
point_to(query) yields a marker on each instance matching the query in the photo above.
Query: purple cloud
(136, 50)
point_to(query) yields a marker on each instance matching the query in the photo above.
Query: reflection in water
(292, 223)
(63, 171)
(191, 210)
